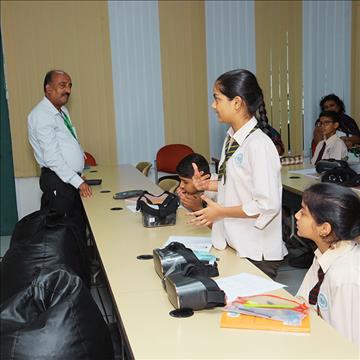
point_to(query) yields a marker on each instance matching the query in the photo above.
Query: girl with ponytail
(247, 215)
(269, 130)
(330, 216)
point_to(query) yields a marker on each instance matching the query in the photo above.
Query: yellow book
(241, 321)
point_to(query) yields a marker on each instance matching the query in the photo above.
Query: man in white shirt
(56, 147)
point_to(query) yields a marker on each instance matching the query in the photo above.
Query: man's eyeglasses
(324, 123)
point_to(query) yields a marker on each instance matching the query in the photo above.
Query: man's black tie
(314, 292)
(321, 153)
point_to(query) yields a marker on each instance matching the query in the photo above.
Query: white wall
(28, 195)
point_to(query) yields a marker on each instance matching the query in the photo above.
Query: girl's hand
(200, 181)
(208, 215)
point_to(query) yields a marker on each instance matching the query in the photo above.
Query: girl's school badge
(239, 158)
(322, 301)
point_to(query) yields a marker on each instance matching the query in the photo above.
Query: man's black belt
(45, 170)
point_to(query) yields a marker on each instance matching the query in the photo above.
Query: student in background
(247, 215)
(330, 217)
(348, 129)
(331, 147)
(189, 196)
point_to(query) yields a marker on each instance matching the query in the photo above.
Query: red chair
(168, 157)
(89, 159)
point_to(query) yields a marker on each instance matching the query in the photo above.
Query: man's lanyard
(68, 124)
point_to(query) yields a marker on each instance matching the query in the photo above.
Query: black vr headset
(330, 164)
(189, 288)
(337, 172)
(174, 258)
(345, 177)
(158, 210)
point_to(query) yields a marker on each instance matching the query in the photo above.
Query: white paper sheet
(132, 208)
(245, 284)
(192, 242)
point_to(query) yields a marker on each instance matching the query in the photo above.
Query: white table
(142, 304)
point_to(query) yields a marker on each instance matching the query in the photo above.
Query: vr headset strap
(215, 296)
(169, 206)
(190, 257)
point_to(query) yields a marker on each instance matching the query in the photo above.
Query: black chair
(42, 239)
(54, 317)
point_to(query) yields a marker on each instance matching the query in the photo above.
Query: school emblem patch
(323, 301)
(239, 158)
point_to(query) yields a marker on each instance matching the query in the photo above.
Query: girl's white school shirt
(339, 295)
(253, 181)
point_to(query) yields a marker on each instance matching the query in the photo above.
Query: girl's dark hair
(333, 115)
(185, 169)
(336, 99)
(243, 83)
(336, 205)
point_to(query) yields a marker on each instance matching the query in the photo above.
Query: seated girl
(330, 217)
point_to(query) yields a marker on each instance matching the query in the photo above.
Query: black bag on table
(41, 239)
(54, 317)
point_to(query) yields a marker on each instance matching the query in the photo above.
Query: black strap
(202, 268)
(215, 296)
(169, 206)
(182, 250)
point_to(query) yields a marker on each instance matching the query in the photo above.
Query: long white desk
(297, 182)
(142, 304)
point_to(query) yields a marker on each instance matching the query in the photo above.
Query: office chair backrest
(89, 159)
(144, 167)
(169, 185)
(169, 156)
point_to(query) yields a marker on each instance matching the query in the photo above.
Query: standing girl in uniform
(330, 216)
(247, 215)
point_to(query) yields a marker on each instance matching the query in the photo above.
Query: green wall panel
(8, 213)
